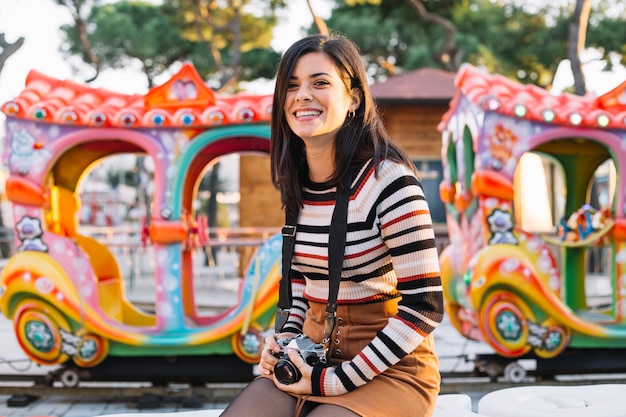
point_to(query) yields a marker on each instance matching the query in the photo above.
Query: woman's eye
(292, 86)
(321, 83)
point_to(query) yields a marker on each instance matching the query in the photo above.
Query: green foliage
(512, 38)
(259, 63)
(223, 42)
(385, 39)
(511, 41)
(229, 39)
(606, 33)
(129, 30)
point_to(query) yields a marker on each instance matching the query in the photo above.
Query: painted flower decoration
(28, 228)
(501, 227)
(500, 221)
(509, 326)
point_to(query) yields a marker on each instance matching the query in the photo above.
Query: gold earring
(351, 114)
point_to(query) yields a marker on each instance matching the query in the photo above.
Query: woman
(325, 126)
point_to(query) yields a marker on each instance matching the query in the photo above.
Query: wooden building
(412, 105)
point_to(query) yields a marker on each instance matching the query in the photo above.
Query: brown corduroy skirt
(407, 389)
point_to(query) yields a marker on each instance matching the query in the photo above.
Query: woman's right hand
(268, 355)
(268, 360)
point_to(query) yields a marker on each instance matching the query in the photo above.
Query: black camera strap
(336, 250)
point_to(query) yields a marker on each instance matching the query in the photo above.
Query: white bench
(454, 405)
(603, 400)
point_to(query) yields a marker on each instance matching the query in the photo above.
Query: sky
(38, 21)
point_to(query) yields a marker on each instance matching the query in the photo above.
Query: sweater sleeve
(299, 304)
(406, 230)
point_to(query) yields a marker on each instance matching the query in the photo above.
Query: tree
(208, 33)
(605, 32)
(7, 49)
(318, 21)
(447, 54)
(78, 9)
(577, 33)
(127, 31)
(524, 41)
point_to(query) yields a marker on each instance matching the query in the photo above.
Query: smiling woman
(363, 278)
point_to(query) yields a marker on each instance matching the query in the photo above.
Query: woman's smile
(307, 114)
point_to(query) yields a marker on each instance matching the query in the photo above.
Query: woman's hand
(268, 359)
(303, 386)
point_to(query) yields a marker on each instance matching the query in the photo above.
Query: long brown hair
(361, 137)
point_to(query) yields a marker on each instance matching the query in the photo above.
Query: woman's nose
(303, 95)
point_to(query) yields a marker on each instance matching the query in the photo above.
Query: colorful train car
(63, 290)
(536, 214)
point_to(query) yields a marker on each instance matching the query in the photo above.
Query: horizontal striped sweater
(390, 252)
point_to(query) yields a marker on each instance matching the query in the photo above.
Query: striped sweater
(390, 252)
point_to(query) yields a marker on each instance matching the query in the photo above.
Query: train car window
(115, 196)
(542, 193)
(216, 256)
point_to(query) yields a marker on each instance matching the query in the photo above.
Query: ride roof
(183, 101)
(499, 94)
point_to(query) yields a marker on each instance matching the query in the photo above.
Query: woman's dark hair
(362, 136)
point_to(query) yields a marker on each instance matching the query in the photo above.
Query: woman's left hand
(304, 385)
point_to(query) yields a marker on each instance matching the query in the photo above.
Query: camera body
(312, 353)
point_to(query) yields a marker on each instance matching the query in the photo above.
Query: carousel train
(536, 215)
(64, 290)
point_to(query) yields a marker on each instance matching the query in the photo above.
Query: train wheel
(69, 378)
(514, 372)
(91, 350)
(554, 339)
(248, 346)
(503, 321)
(38, 327)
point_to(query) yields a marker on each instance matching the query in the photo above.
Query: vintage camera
(313, 353)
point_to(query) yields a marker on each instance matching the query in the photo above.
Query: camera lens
(286, 372)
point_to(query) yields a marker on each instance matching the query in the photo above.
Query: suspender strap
(336, 250)
(284, 290)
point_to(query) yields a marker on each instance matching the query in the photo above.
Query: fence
(228, 250)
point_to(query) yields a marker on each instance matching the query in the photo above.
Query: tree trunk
(577, 34)
(448, 55)
(7, 49)
(319, 22)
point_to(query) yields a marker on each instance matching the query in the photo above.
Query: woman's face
(317, 101)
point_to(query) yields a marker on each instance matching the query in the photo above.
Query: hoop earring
(351, 114)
